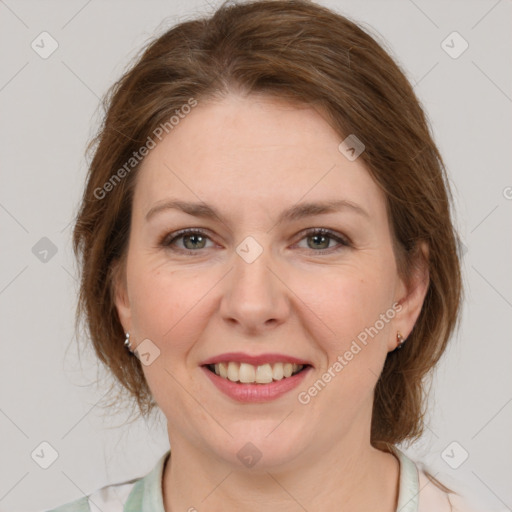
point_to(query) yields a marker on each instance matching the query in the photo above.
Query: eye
(321, 239)
(193, 240)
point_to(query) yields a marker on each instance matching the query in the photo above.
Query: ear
(411, 292)
(120, 293)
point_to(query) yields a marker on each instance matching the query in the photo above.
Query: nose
(255, 298)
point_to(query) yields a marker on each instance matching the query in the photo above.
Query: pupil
(316, 237)
(192, 237)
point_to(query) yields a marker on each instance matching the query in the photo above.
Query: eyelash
(169, 239)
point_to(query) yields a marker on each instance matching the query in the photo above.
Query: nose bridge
(254, 295)
(251, 273)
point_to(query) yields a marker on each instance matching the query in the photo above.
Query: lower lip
(256, 392)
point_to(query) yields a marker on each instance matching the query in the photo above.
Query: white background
(49, 110)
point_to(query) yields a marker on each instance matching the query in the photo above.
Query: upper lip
(257, 360)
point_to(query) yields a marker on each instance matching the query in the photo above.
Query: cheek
(352, 339)
(160, 300)
(168, 308)
(350, 301)
(336, 303)
(356, 309)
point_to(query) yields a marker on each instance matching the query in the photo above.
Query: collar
(147, 493)
(408, 487)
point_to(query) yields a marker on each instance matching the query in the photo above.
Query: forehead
(250, 152)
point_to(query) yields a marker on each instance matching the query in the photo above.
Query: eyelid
(167, 240)
(340, 237)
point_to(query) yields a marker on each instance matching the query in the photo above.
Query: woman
(266, 225)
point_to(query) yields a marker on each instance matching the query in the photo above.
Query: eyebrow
(296, 212)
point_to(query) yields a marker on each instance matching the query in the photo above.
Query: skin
(253, 157)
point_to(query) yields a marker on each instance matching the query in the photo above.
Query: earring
(127, 342)
(399, 340)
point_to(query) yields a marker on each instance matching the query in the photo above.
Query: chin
(255, 449)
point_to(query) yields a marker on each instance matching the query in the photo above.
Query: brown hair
(306, 54)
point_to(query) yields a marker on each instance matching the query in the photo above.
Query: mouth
(245, 373)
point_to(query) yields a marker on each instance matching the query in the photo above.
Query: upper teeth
(263, 374)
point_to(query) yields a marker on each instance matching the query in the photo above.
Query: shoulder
(80, 505)
(133, 495)
(432, 497)
(421, 492)
(110, 498)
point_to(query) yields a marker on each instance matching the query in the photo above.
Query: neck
(350, 477)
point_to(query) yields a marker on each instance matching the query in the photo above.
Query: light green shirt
(416, 493)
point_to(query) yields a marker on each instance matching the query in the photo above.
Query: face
(251, 284)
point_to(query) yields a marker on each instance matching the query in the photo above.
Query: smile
(248, 383)
(250, 374)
